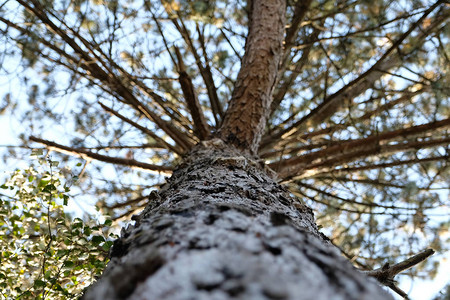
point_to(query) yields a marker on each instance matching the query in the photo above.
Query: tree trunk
(222, 228)
(249, 107)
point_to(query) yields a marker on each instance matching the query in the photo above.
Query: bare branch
(143, 146)
(300, 194)
(331, 104)
(361, 181)
(202, 128)
(370, 144)
(327, 164)
(299, 64)
(128, 202)
(89, 155)
(339, 171)
(230, 44)
(108, 78)
(356, 32)
(205, 71)
(142, 128)
(282, 144)
(301, 8)
(369, 204)
(386, 274)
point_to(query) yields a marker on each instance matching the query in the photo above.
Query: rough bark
(222, 228)
(249, 107)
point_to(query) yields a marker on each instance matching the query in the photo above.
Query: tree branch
(331, 104)
(327, 164)
(386, 62)
(89, 155)
(283, 144)
(230, 44)
(205, 71)
(108, 78)
(339, 171)
(371, 143)
(201, 127)
(386, 274)
(350, 201)
(143, 129)
(301, 194)
(299, 64)
(128, 202)
(301, 8)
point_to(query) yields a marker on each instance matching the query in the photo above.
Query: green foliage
(44, 252)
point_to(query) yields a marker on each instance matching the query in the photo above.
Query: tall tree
(343, 104)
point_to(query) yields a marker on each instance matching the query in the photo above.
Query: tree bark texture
(249, 107)
(222, 228)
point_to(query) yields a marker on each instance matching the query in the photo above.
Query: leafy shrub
(45, 253)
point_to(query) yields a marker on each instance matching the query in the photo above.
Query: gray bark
(222, 228)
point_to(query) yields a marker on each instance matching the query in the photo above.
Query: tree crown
(350, 108)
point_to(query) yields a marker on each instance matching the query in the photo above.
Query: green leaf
(39, 283)
(49, 188)
(77, 223)
(87, 231)
(27, 295)
(97, 239)
(69, 264)
(43, 183)
(61, 253)
(37, 152)
(66, 199)
(107, 245)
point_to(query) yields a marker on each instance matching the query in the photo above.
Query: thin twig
(385, 275)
